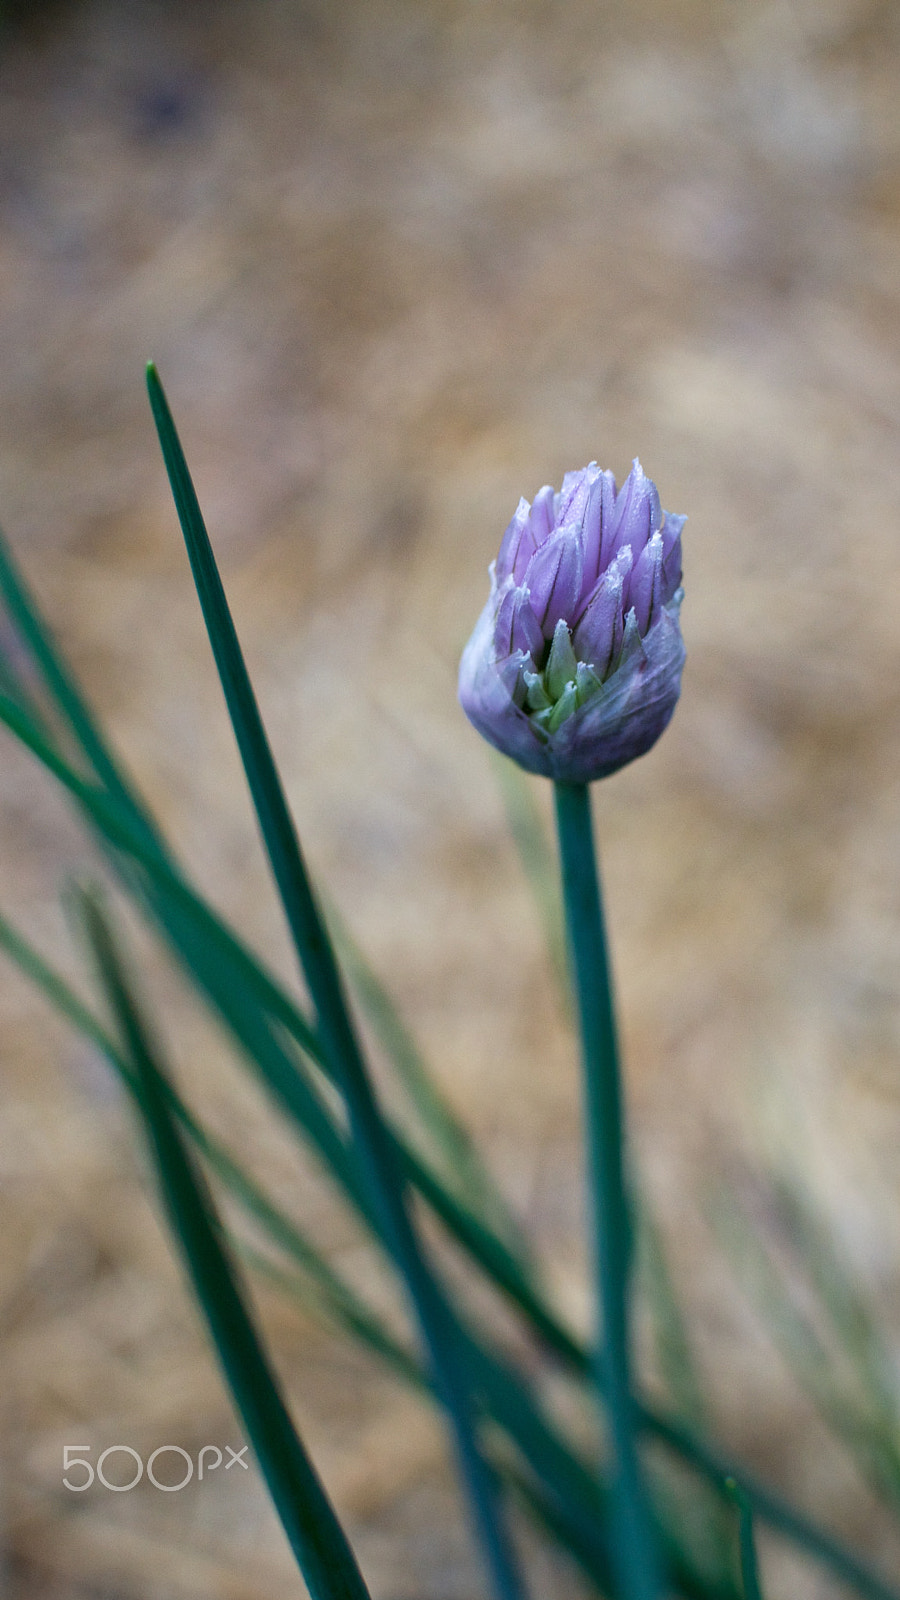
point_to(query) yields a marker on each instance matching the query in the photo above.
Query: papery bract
(574, 667)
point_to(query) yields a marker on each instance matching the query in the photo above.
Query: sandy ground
(400, 262)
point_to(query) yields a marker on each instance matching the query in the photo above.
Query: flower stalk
(634, 1544)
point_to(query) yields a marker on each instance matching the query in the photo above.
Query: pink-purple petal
(517, 545)
(598, 637)
(517, 627)
(645, 587)
(638, 513)
(599, 527)
(542, 515)
(553, 576)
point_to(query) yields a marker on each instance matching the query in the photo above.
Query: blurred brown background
(400, 261)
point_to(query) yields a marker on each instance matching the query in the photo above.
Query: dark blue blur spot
(166, 107)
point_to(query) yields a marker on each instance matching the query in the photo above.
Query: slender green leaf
(315, 1535)
(374, 1145)
(38, 638)
(60, 994)
(746, 1543)
(276, 824)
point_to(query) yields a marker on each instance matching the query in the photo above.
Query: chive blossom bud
(574, 668)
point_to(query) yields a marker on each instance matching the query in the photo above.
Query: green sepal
(536, 696)
(565, 705)
(561, 663)
(587, 683)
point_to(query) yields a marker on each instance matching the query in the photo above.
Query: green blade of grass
(275, 822)
(136, 821)
(749, 1563)
(375, 1148)
(36, 635)
(746, 1544)
(312, 1528)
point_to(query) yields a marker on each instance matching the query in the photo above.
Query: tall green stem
(633, 1536)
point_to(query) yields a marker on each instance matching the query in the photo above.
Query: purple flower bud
(575, 664)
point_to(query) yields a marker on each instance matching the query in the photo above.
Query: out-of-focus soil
(400, 261)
